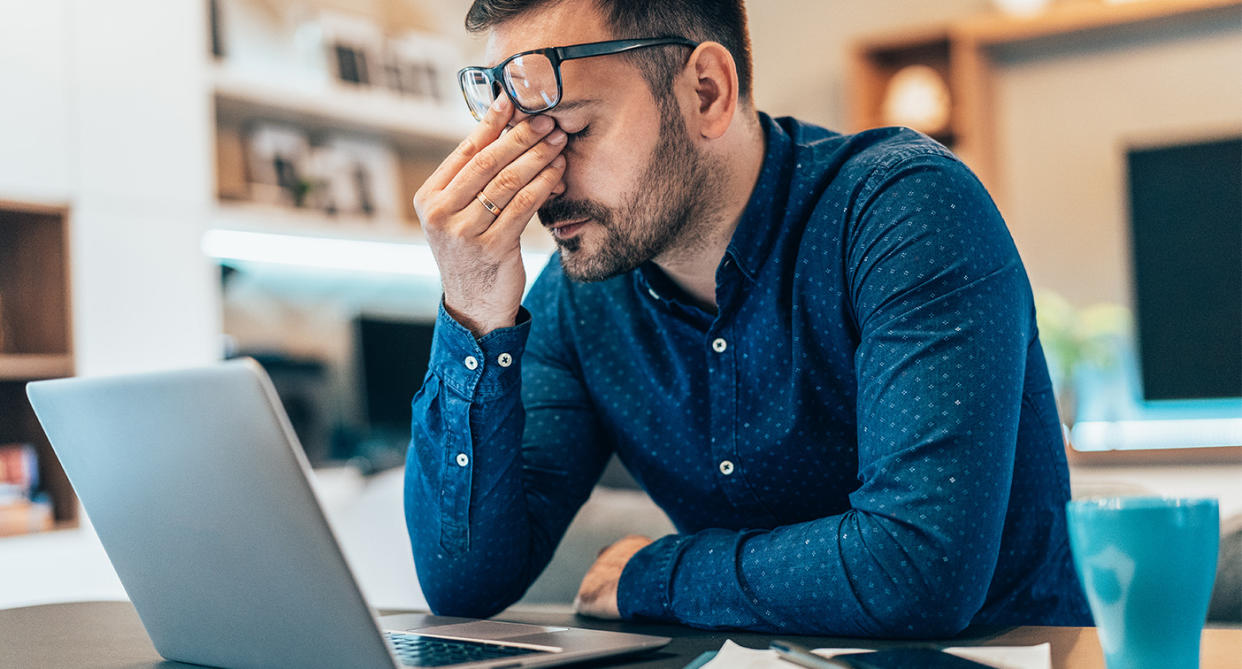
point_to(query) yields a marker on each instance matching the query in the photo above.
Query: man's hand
(597, 596)
(479, 252)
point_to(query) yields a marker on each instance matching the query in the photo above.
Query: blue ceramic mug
(1147, 565)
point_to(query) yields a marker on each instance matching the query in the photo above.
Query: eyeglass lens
(532, 81)
(530, 78)
(479, 90)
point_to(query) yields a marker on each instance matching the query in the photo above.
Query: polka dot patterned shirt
(862, 441)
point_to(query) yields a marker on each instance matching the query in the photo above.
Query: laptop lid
(201, 499)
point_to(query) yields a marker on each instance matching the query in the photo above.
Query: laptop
(199, 491)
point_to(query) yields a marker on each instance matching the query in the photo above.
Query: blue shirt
(862, 441)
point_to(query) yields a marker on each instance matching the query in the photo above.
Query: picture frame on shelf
(277, 160)
(359, 177)
(354, 48)
(423, 66)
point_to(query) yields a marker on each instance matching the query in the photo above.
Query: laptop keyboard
(416, 650)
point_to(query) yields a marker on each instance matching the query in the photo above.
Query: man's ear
(715, 89)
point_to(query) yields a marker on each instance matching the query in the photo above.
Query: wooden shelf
(36, 329)
(331, 106)
(31, 367)
(250, 217)
(1077, 17)
(269, 219)
(1215, 455)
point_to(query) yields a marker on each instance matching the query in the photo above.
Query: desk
(109, 634)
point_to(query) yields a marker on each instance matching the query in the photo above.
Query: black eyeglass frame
(557, 55)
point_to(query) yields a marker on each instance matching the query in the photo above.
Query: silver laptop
(199, 492)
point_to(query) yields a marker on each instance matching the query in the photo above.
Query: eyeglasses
(533, 78)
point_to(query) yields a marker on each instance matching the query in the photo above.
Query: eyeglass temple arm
(616, 46)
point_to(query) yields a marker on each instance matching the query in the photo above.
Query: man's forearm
(874, 577)
(505, 450)
(464, 495)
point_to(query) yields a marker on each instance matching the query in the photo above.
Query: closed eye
(581, 134)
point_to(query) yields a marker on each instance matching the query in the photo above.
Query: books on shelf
(25, 517)
(20, 510)
(19, 472)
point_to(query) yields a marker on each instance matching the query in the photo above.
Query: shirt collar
(760, 224)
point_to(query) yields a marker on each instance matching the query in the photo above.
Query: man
(816, 352)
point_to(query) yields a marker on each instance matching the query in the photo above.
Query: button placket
(722, 376)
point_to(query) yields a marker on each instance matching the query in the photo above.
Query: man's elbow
(921, 624)
(463, 603)
(929, 613)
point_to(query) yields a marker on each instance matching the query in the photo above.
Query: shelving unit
(963, 53)
(420, 132)
(329, 106)
(35, 339)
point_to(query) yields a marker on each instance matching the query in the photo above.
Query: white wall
(103, 107)
(34, 101)
(1065, 117)
(144, 296)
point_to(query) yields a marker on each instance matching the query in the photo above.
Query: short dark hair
(722, 21)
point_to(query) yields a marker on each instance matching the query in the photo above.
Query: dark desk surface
(109, 635)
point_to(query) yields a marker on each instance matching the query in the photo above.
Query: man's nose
(519, 116)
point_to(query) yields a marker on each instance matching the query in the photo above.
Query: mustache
(560, 210)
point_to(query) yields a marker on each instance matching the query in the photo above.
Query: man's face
(635, 182)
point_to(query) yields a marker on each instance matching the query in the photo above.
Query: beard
(667, 211)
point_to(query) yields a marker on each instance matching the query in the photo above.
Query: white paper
(733, 656)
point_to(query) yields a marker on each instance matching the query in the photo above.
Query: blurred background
(183, 181)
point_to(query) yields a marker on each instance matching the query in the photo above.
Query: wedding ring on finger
(488, 204)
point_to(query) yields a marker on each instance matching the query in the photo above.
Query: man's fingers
(481, 137)
(522, 207)
(488, 162)
(514, 176)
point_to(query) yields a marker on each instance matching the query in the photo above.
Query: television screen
(1186, 232)
(393, 359)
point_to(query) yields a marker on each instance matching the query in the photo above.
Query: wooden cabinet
(35, 340)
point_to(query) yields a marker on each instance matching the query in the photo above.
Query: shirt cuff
(480, 368)
(645, 589)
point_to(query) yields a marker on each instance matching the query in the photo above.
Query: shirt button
(720, 345)
(462, 459)
(471, 363)
(505, 360)
(726, 467)
(652, 293)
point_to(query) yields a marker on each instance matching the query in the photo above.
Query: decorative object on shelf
(360, 177)
(1076, 338)
(337, 175)
(421, 65)
(918, 97)
(414, 64)
(1021, 7)
(355, 47)
(277, 160)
